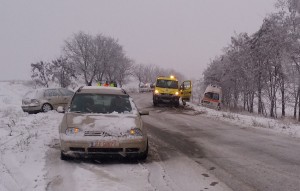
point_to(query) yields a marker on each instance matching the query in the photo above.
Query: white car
(45, 99)
(144, 88)
(102, 121)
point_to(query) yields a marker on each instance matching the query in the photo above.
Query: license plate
(105, 144)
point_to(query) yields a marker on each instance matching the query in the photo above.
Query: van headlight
(177, 93)
(156, 92)
(73, 131)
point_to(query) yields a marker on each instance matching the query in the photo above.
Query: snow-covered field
(26, 139)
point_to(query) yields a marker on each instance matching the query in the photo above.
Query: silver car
(102, 121)
(45, 99)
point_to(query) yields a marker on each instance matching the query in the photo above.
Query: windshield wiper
(76, 111)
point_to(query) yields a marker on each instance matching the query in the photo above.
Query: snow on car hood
(112, 124)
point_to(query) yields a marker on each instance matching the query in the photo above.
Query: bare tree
(123, 70)
(80, 50)
(138, 71)
(41, 73)
(62, 71)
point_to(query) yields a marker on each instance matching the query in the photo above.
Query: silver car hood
(111, 124)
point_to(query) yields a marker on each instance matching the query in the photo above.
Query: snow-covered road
(189, 150)
(243, 157)
(30, 158)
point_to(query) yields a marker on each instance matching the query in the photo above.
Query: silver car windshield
(33, 94)
(99, 103)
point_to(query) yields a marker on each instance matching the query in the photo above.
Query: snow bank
(288, 127)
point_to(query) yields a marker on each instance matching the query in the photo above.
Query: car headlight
(135, 132)
(73, 131)
(156, 92)
(177, 93)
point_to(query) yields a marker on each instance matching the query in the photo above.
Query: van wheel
(177, 103)
(46, 107)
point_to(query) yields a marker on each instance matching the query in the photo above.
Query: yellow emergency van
(167, 90)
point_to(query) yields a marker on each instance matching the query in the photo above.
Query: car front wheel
(144, 154)
(46, 107)
(64, 157)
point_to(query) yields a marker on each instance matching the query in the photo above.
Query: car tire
(177, 104)
(46, 107)
(64, 157)
(143, 156)
(154, 103)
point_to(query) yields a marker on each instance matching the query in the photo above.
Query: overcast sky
(180, 34)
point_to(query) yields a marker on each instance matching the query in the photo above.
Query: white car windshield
(100, 103)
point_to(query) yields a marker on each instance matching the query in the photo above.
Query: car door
(53, 96)
(66, 96)
(186, 90)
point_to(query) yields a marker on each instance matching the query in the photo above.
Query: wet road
(242, 158)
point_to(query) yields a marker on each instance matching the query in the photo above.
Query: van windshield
(167, 84)
(211, 95)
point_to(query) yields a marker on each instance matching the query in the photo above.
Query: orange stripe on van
(211, 100)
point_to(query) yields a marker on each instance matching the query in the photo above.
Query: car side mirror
(144, 112)
(60, 109)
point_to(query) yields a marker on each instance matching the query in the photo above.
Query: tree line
(94, 59)
(262, 69)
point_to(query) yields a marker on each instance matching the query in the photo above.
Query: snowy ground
(29, 158)
(287, 126)
(26, 141)
(23, 140)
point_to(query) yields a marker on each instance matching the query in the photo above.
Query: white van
(144, 88)
(212, 97)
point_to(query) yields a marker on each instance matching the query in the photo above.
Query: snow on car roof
(102, 90)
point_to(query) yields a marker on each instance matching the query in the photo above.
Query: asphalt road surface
(242, 158)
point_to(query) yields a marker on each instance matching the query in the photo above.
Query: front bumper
(31, 108)
(165, 98)
(96, 146)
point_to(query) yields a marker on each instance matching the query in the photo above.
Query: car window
(187, 85)
(51, 93)
(66, 92)
(34, 94)
(100, 103)
(30, 94)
